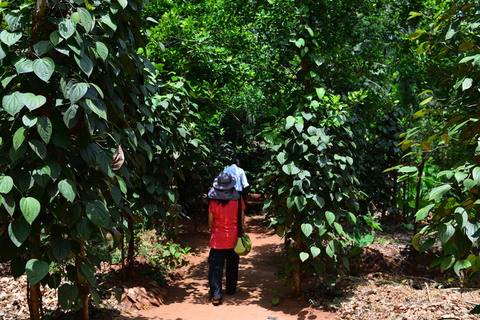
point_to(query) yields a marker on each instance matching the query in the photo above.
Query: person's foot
(231, 293)
(216, 301)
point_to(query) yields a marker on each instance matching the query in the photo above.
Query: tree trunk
(297, 279)
(82, 286)
(417, 196)
(34, 294)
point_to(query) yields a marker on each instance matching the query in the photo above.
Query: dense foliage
(338, 111)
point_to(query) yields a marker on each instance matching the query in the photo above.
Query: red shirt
(225, 226)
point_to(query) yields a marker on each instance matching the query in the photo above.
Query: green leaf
(39, 148)
(97, 106)
(303, 256)
(445, 231)
(30, 208)
(447, 262)
(41, 175)
(42, 47)
(416, 34)
(84, 228)
(122, 185)
(44, 128)
(300, 202)
(86, 19)
(320, 92)
(61, 248)
(44, 68)
(315, 251)
(85, 64)
(108, 21)
(330, 216)
(88, 271)
(9, 204)
(476, 175)
(29, 120)
(18, 231)
(24, 66)
(67, 189)
(19, 137)
(98, 214)
(89, 154)
(467, 83)
(290, 169)
(66, 28)
(408, 169)
(67, 295)
(102, 50)
(71, 116)
(439, 191)
(55, 38)
(33, 101)
(104, 161)
(423, 213)
(36, 270)
(459, 265)
(76, 90)
(282, 157)
(427, 245)
(123, 3)
(13, 102)
(10, 38)
(306, 229)
(6, 184)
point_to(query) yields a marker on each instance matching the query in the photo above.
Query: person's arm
(210, 221)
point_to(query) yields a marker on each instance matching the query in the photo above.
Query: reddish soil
(189, 297)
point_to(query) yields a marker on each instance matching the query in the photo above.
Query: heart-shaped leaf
(76, 90)
(66, 28)
(98, 214)
(315, 251)
(330, 216)
(306, 229)
(33, 101)
(10, 38)
(6, 184)
(68, 189)
(97, 106)
(61, 248)
(42, 47)
(30, 208)
(44, 68)
(44, 128)
(303, 256)
(36, 270)
(18, 231)
(24, 66)
(13, 102)
(85, 64)
(67, 295)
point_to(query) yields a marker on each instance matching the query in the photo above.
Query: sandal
(216, 301)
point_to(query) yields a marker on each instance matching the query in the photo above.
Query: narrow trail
(257, 286)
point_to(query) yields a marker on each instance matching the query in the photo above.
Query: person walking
(238, 173)
(223, 225)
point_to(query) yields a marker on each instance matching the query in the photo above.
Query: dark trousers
(216, 260)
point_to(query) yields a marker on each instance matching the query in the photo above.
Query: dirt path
(188, 298)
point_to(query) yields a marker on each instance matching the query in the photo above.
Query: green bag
(244, 244)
